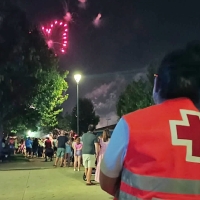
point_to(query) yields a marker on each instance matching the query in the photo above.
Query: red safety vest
(163, 155)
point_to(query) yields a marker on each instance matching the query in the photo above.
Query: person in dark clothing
(48, 149)
(35, 147)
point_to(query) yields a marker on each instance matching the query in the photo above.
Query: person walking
(90, 152)
(154, 153)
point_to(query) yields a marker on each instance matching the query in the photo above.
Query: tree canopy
(64, 122)
(50, 96)
(32, 87)
(87, 115)
(137, 95)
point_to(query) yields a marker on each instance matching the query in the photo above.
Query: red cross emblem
(186, 132)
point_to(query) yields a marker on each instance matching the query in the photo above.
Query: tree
(32, 88)
(64, 122)
(16, 77)
(137, 95)
(51, 95)
(87, 115)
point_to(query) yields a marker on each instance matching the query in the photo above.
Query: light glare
(77, 77)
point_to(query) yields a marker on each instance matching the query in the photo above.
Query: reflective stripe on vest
(158, 184)
(125, 196)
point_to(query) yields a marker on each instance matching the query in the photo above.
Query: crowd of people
(68, 149)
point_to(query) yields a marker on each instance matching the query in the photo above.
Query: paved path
(42, 184)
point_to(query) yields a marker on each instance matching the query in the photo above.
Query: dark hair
(91, 127)
(179, 74)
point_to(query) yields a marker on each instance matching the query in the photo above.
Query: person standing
(90, 152)
(41, 147)
(103, 143)
(29, 144)
(55, 145)
(48, 149)
(35, 147)
(51, 138)
(68, 151)
(77, 154)
(154, 153)
(16, 146)
(62, 139)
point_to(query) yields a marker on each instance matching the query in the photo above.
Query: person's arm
(96, 144)
(112, 163)
(99, 145)
(96, 149)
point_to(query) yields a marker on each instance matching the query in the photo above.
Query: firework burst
(97, 20)
(56, 36)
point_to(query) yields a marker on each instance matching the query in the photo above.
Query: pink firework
(50, 44)
(56, 36)
(97, 20)
(68, 17)
(82, 1)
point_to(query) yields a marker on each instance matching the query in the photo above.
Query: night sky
(133, 34)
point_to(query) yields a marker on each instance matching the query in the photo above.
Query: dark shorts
(49, 152)
(28, 150)
(35, 149)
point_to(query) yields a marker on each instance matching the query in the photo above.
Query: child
(68, 146)
(77, 154)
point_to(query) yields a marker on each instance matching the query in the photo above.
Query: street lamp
(77, 78)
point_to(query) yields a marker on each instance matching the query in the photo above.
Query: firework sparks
(82, 1)
(97, 20)
(68, 17)
(50, 43)
(56, 35)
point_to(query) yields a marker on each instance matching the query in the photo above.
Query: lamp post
(77, 78)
